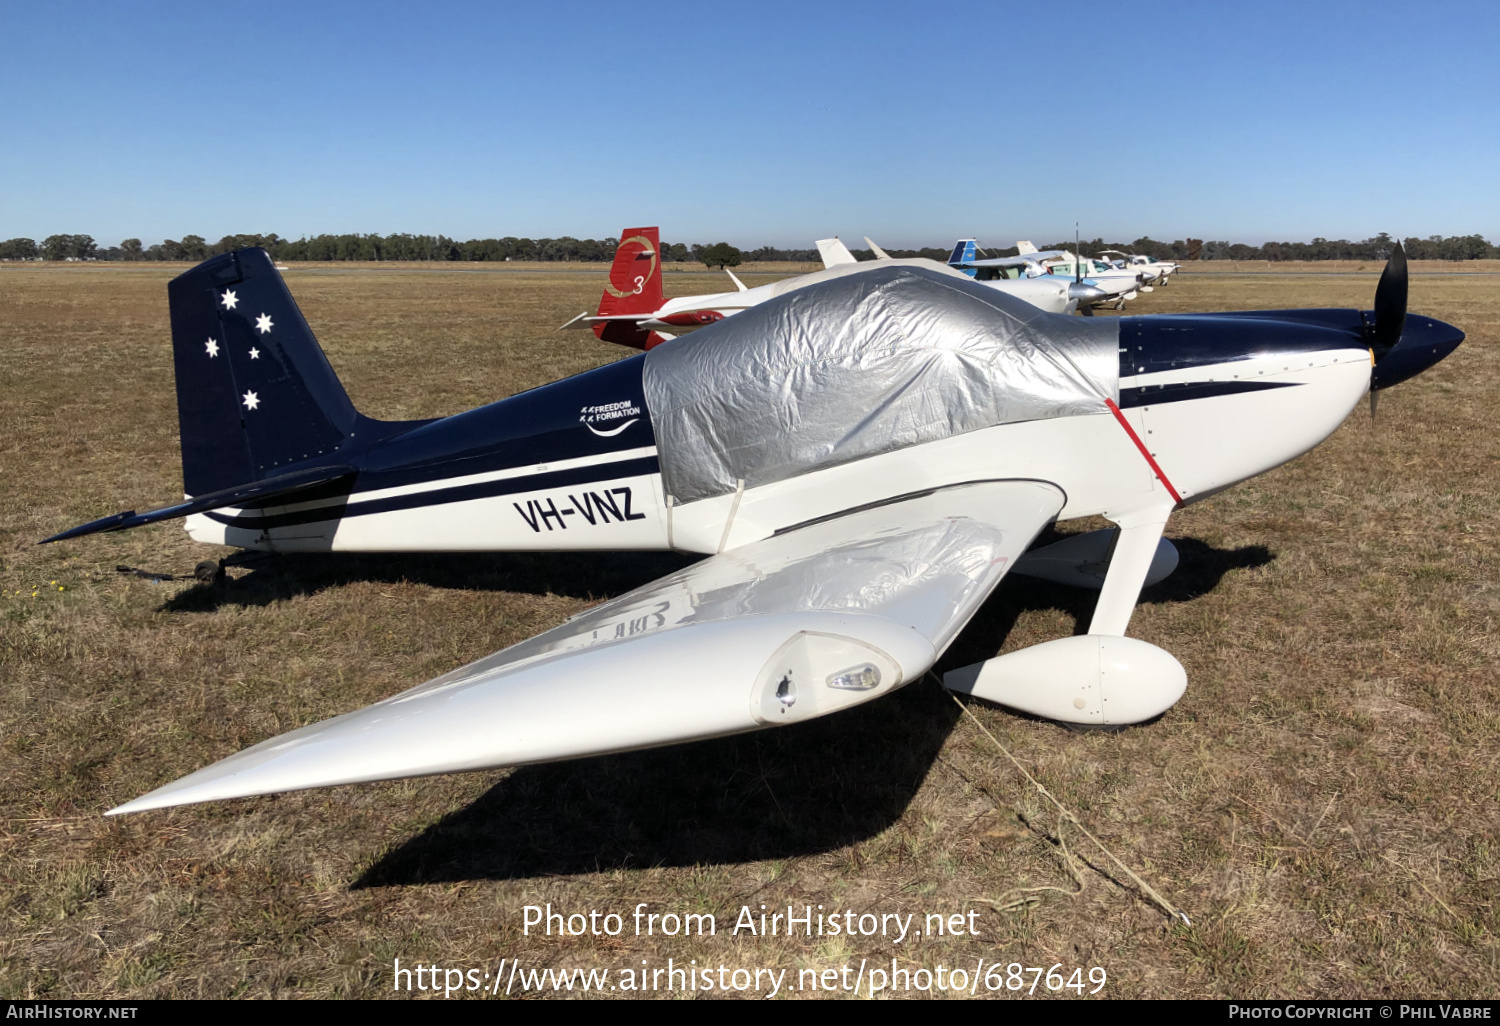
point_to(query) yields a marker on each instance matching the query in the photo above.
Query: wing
(1015, 261)
(798, 625)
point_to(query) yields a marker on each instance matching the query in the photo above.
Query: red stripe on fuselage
(1155, 468)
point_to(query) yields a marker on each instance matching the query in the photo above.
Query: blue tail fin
(964, 251)
(255, 394)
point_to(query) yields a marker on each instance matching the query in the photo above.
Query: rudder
(634, 287)
(964, 251)
(255, 394)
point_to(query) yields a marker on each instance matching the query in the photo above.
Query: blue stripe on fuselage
(585, 415)
(353, 507)
(1164, 342)
(596, 413)
(1182, 391)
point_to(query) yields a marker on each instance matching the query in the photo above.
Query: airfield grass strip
(1018, 898)
(1068, 816)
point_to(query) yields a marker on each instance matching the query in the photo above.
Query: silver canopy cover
(864, 364)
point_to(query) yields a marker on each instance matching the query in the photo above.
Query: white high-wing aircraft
(1154, 272)
(635, 312)
(860, 461)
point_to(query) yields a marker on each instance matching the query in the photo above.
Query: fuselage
(1202, 402)
(1116, 282)
(1151, 271)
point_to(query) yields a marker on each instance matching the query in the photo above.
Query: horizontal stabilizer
(588, 320)
(269, 488)
(782, 630)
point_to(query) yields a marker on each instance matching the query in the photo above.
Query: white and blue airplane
(860, 462)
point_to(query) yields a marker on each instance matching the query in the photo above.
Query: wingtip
(174, 794)
(138, 805)
(161, 798)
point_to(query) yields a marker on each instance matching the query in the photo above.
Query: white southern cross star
(251, 400)
(254, 353)
(212, 348)
(263, 322)
(229, 299)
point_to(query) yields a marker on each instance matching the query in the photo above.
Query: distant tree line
(1434, 247)
(720, 254)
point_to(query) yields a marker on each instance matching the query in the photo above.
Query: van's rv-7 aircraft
(634, 311)
(860, 461)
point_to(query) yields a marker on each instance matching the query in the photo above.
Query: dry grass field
(1324, 802)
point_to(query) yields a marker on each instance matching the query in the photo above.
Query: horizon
(809, 245)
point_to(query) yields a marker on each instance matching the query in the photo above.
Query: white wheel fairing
(1092, 679)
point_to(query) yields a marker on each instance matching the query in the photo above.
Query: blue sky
(757, 123)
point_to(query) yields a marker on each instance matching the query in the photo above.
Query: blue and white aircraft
(860, 461)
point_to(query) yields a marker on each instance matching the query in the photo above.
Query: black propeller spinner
(1402, 346)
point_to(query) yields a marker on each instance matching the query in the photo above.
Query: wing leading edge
(796, 626)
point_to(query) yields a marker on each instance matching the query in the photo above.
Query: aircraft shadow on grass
(596, 575)
(813, 787)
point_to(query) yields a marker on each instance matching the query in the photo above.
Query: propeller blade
(1390, 303)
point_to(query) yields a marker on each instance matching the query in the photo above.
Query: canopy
(860, 365)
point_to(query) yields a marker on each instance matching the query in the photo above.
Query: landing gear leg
(1134, 548)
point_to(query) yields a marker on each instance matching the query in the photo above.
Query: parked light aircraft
(1119, 284)
(1045, 292)
(1020, 275)
(861, 461)
(634, 311)
(1153, 272)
